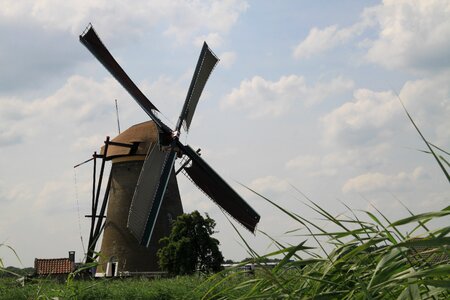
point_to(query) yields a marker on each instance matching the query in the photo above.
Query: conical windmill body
(120, 251)
(152, 197)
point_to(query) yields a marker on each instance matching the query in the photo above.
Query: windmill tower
(120, 252)
(149, 200)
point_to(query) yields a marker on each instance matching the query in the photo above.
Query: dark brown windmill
(154, 195)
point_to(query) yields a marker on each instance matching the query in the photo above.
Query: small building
(55, 267)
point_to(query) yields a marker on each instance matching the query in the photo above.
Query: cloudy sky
(305, 95)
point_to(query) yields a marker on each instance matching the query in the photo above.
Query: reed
(368, 256)
(364, 256)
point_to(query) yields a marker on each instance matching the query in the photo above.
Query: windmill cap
(144, 134)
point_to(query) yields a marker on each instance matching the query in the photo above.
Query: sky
(304, 100)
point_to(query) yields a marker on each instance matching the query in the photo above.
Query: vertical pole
(91, 233)
(117, 115)
(89, 257)
(101, 216)
(100, 178)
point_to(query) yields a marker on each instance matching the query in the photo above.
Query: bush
(190, 246)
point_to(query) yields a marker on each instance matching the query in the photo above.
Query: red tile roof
(53, 266)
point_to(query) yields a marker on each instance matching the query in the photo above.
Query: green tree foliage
(190, 246)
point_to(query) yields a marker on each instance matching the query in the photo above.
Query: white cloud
(183, 19)
(409, 35)
(303, 162)
(57, 130)
(12, 111)
(168, 93)
(79, 101)
(197, 200)
(428, 101)
(43, 206)
(362, 119)
(321, 40)
(188, 17)
(412, 34)
(370, 182)
(60, 119)
(9, 137)
(357, 157)
(264, 98)
(338, 159)
(269, 184)
(10, 132)
(87, 144)
(372, 115)
(324, 90)
(83, 99)
(227, 59)
(14, 193)
(213, 39)
(55, 195)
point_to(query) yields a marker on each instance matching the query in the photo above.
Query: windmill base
(120, 252)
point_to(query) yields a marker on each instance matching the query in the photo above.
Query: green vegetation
(190, 247)
(364, 256)
(9, 271)
(179, 288)
(367, 260)
(14, 272)
(367, 256)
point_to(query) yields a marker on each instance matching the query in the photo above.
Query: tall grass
(368, 256)
(3, 269)
(368, 260)
(135, 288)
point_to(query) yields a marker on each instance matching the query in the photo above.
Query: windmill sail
(90, 39)
(219, 191)
(149, 193)
(159, 196)
(206, 63)
(158, 164)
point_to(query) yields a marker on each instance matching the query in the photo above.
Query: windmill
(157, 169)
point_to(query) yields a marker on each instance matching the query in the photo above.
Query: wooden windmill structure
(142, 190)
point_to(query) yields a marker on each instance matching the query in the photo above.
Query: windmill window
(112, 267)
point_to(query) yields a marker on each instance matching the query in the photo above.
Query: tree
(190, 247)
(229, 261)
